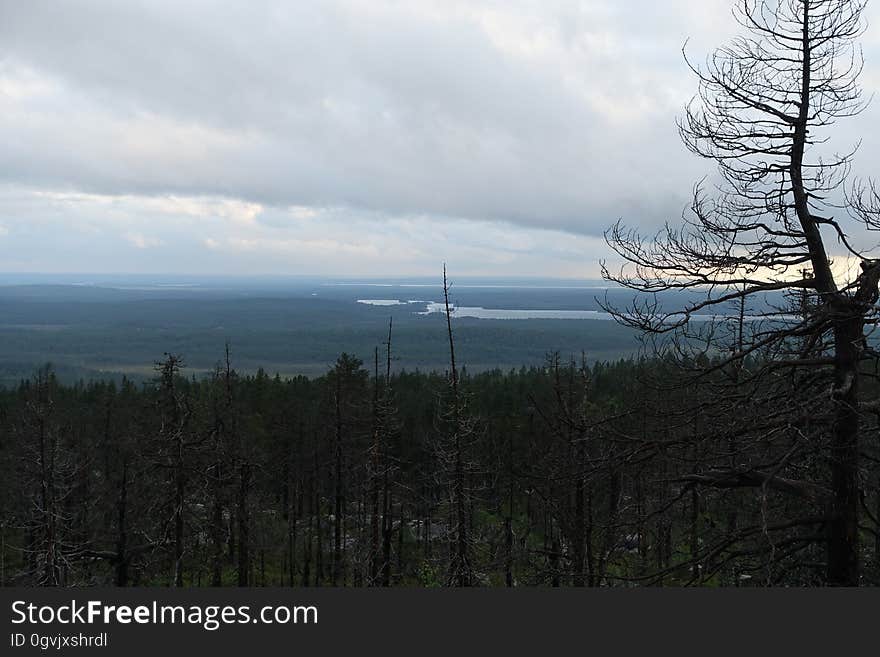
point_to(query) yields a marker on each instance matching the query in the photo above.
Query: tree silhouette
(765, 101)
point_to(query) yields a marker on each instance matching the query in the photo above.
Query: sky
(351, 137)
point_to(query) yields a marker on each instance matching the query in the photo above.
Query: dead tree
(222, 443)
(457, 433)
(765, 101)
(47, 470)
(380, 471)
(175, 413)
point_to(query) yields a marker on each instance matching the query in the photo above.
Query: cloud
(141, 241)
(333, 241)
(535, 115)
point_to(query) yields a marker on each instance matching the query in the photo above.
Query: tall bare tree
(764, 105)
(46, 470)
(457, 435)
(174, 448)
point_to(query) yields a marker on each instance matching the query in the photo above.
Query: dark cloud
(546, 114)
(438, 109)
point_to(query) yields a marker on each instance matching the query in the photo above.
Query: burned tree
(764, 104)
(457, 432)
(380, 470)
(173, 451)
(219, 475)
(47, 470)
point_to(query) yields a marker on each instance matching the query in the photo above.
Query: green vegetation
(123, 333)
(576, 474)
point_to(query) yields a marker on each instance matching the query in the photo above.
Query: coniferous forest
(639, 472)
(739, 448)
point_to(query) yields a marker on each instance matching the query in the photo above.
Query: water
(382, 302)
(478, 312)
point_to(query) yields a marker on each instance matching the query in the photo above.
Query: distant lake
(503, 313)
(381, 302)
(478, 312)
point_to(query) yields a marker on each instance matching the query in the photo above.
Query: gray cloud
(545, 115)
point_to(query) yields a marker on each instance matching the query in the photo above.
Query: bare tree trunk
(555, 580)
(292, 520)
(843, 544)
(217, 533)
(579, 529)
(461, 566)
(244, 563)
(339, 501)
(319, 523)
(843, 539)
(387, 525)
(307, 543)
(401, 526)
(48, 443)
(610, 523)
(179, 488)
(508, 520)
(121, 530)
(877, 526)
(374, 479)
(588, 539)
(3, 554)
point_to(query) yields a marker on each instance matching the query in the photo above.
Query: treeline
(572, 474)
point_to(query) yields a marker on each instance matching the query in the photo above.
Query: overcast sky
(349, 137)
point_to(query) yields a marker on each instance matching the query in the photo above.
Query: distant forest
(101, 333)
